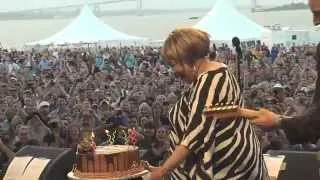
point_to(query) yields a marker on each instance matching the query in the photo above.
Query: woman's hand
(157, 173)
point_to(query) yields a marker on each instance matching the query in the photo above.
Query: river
(14, 33)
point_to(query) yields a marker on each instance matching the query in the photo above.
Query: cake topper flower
(133, 136)
(92, 135)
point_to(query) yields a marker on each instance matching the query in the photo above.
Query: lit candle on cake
(93, 144)
(76, 161)
(109, 138)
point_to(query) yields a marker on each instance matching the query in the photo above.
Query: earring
(194, 71)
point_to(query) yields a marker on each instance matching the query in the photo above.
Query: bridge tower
(253, 5)
(139, 8)
(97, 10)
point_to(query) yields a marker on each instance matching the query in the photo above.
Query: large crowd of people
(48, 96)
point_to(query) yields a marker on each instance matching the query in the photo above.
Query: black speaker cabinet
(59, 162)
(299, 165)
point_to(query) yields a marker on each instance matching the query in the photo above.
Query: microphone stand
(238, 60)
(236, 43)
(240, 82)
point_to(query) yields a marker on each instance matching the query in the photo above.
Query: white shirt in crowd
(12, 68)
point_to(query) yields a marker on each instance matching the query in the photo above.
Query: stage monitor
(299, 165)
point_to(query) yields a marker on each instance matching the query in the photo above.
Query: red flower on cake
(132, 136)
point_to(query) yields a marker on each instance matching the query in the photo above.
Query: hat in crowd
(278, 86)
(13, 79)
(105, 102)
(306, 89)
(113, 84)
(145, 105)
(27, 91)
(43, 103)
(124, 77)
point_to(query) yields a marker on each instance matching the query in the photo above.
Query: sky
(12, 5)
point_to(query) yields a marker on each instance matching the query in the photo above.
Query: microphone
(236, 43)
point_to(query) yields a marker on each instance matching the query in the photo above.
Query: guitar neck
(248, 113)
(239, 112)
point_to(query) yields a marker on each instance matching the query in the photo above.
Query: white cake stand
(71, 176)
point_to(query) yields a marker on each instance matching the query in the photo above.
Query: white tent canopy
(224, 22)
(86, 28)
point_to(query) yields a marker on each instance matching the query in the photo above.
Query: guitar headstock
(221, 108)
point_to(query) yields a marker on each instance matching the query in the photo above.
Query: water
(15, 33)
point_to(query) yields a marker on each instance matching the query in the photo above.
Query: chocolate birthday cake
(106, 162)
(110, 162)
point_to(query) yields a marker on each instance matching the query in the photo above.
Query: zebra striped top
(227, 149)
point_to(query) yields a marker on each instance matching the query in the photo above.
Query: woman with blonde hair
(204, 147)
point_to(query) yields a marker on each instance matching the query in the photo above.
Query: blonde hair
(186, 44)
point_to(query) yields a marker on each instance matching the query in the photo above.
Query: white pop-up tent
(86, 28)
(224, 22)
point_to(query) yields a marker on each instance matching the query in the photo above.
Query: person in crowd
(44, 64)
(159, 148)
